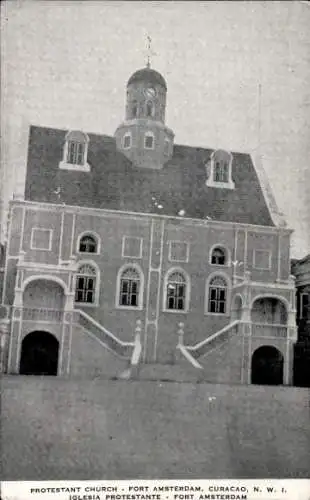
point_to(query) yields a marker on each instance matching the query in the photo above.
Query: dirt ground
(54, 428)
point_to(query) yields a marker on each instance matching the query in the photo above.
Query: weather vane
(150, 52)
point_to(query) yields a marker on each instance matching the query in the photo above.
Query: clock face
(150, 92)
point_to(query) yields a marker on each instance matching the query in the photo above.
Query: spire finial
(149, 51)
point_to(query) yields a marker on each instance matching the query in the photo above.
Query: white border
(255, 250)
(123, 247)
(35, 228)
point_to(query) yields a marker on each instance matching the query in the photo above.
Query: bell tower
(143, 136)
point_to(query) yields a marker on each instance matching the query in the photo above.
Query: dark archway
(267, 366)
(39, 354)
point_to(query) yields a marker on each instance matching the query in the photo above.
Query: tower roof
(147, 75)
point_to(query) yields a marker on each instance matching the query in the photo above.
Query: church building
(133, 256)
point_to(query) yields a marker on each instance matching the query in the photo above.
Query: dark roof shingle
(115, 183)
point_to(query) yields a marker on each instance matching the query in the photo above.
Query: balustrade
(42, 314)
(269, 330)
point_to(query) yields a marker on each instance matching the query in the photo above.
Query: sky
(66, 65)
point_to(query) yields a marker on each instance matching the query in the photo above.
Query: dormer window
(149, 140)
(220, 170)
(127, 141)
(75, 152)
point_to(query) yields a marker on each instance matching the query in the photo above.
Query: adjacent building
(133, 250)
(301, 270)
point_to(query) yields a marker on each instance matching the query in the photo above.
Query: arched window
(149, 108)
(176, 292)
(221, 171)
(134, 109)
(88, 244)
(149, 140)
(85, 291)
(129, 287)
(217, 302)
(218, 256)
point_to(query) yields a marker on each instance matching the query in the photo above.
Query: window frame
(170, 242)
(120, 273)
(80, 264)
(150, 103)
(167, 147)
(93, 235)
(225, 277)
(78, 152)
(134, 109)
(127, 135)
(125, 256)
(71, 138)
(211, 180)
(146, 136)
(302, 305)
(187, 282)
(221, 170)
(269, 252)
(50, 243)
(226, 251)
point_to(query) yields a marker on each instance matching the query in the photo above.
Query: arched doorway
(267, 366)
(39, 355)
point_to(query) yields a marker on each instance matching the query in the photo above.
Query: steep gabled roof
(115, 183)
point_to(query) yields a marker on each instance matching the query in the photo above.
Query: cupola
(143, 137)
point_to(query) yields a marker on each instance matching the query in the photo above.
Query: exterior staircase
(211, 343)
(187, 368)
(126, 350)
(104, 336)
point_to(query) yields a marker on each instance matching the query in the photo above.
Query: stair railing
(137, 350)
(183, 350)
(199, 349)
(124, 349)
